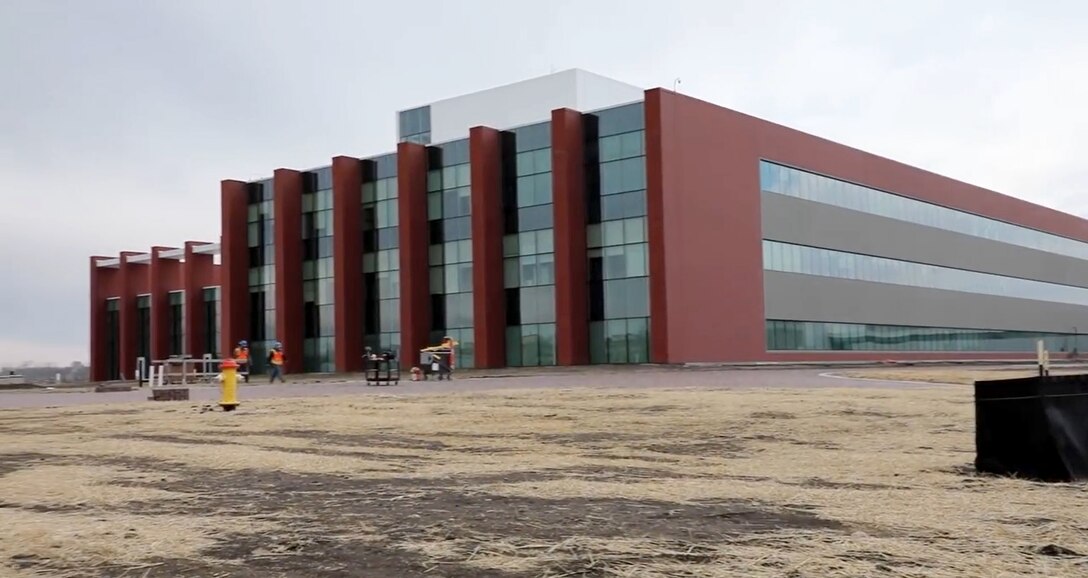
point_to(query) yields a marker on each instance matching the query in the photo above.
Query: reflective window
(456, 202)
(319, 328)
(619, 341)
(262, 281)
(619, 232)
(529, 252)
(449, 210)
(532, 259)
(618, 252)
(623, 205)
(784, 180)
(531, 345)
(622, 146)
(623, 176)
(143, 327)
(452, 153)
(626, 298)
(533, 137)
(415, 125)
(534, 189)
(821, 336)
(530, 305)
(176, 322)
(620, 119)
(381, 257)
(532, 162)
(790, 258)
(212, 320)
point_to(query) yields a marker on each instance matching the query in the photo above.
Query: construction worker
(241, 357)
(443, 356)
(275, 363)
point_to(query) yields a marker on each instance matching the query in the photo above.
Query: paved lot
(590, 378)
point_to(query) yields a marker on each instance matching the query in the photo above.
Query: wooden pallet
(169, 394)
(112, 387)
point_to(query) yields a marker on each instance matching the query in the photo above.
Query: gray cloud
(119, 118)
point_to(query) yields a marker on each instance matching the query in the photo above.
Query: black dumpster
(1033, 427)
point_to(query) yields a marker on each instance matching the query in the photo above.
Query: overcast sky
(118, 118)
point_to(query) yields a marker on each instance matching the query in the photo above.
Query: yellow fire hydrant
(228, 389)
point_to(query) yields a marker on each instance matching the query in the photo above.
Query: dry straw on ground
(799, 483)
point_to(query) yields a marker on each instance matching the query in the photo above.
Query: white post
(1042, 358)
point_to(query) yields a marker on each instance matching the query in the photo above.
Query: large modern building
(572, 219)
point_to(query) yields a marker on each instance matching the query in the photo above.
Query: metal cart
(436, 362)
(381, 368)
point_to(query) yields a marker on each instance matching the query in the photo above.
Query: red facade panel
(569, 204)
(133, 282)
(105, 283)
(207, 273)
(199, 271)
(715, 313)
(488, 292)
(347, 255)
(287, 204)
(415, 298)
(164, 277)
(156, 278)
(655, 229)
(702, 311)
(234, 277)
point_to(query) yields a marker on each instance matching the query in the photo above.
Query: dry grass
(101, 539)
(952, 375)
(798, 483)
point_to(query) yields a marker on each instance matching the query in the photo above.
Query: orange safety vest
(241, 354)
(277, 358)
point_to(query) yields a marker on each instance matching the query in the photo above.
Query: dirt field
(952, 375)
(589, 483)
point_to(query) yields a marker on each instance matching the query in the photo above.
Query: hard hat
(243, 343)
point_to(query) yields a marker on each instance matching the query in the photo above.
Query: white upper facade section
(526, 102)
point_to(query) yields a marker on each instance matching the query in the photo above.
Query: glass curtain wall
(619, 293)
(529, 249)
(381, 255)
(143, 327)
(820, 336)
(790, 258)
(415, 125)
(262, 274)
(212, 321)
(793, 182)
(177, 323)
(113, 338)
(449, 210)
(318, 318)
